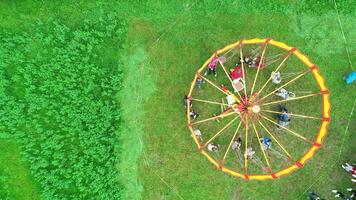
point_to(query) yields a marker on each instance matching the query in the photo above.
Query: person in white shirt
(213, 147)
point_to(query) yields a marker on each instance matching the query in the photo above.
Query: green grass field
(150, 52)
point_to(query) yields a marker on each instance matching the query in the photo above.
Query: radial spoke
(275, 139)
(291, 114)
(188, 111)
(227, 92)
(211, 83)
(288, 130)
(222, 115)
(232, 140)
(258, 68)
(210, 102)
(243, 70)
(228, 76)
(277, 69)
(263, 151)
(219, 132)
(246, 140)
(231, 56)
(291, 81)
(291, 99)
(228, 51)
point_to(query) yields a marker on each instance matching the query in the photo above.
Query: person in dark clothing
(194, 114)
(353, 192)
(212, 66)
(314, 196)
(338, 194)
(199, 81)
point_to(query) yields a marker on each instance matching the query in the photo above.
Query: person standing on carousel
(199, 81)
(185, 101)
(212, 66)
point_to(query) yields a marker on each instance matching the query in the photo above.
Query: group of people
(276, 78)
(351, 169)
(337, 194)
(283, 118)
(236, 73)
(236, 144)
(250, 61)
(212, 147)
(266, 143)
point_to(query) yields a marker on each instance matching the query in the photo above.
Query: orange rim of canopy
(326, 108)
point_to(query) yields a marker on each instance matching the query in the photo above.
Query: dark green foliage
(57, 91)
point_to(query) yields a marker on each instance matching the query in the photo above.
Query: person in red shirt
(236, 73)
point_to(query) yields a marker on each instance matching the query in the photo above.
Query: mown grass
(15, 178)
(310, 107)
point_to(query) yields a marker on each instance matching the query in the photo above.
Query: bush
(57, 88)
